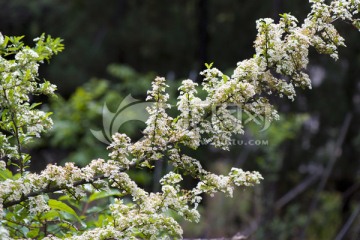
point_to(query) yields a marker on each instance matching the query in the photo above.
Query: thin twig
(348, 223)
(296, 191)
(334, 156)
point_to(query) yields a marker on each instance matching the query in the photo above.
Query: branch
(348, 223)
(334, 156)
(50, 190)
(296, 191)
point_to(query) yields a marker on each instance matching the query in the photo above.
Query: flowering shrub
(37, 205)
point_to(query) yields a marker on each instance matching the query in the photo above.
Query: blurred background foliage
(309, 159)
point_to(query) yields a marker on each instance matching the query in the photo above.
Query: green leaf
(5, 174)
(26, 158)
(6, 40)
(208, 66)
(4, 115)
(225, 78)
(64, 197)
(33, 233)
(103, 194)
(34, 105)
(176, 119)
(17, 175)
(57, 205)
(147, 164)
(50, 215)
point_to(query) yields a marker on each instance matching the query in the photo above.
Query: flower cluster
(27, 200)
(119, 149)
(191, 113)
(19, 80)
(156, 134)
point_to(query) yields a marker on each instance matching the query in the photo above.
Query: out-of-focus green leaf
(58, 205)
(103, 194)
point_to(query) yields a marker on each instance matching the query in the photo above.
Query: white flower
(1, 39)
(38, 205)
(2, 165)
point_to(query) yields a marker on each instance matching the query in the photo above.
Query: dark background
(115, 47)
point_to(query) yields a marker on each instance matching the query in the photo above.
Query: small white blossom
(38, 205)
(1, 39)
